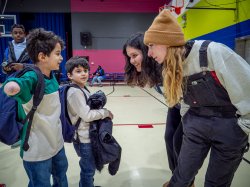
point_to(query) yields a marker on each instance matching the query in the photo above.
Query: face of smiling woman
(135, 56)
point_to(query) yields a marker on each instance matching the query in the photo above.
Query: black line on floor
(113, 89)
(247, 161)
(155, 97)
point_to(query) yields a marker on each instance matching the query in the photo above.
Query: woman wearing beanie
(141, 70)
(212, 84)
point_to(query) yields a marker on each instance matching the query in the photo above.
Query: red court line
(145, 126)
(138, 124)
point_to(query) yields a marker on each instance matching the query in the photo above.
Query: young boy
(46, 154)
(15, 55)
(78, 72)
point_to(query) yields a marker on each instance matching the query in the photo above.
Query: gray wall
(242, 47)
(109, 30)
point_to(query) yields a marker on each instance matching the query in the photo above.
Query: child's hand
(7, 68)
(16, 66)
(111, 116)
(11, 88)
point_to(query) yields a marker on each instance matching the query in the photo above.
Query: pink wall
(116, 5)
(110, 60)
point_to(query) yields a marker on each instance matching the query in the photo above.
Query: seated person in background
(15, 55)
(99, 75)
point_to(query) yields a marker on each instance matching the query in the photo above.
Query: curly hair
(17, 26)
(173, 74)
(40, 40)
(151, 70)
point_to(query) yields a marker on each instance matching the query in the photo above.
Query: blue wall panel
(227, 35)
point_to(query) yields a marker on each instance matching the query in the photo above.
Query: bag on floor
(10, 125)
(68, 129)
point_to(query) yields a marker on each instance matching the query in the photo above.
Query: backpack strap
(87, 90)
(79, 119)
(37, 98)
(188, 47)
(11, 55)
(24, 57)
(76, 86)
(203, 55)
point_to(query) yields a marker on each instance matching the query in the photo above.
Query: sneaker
(100, 85)
(165, 184)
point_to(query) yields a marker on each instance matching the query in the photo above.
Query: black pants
(222, 137)
(173, 136)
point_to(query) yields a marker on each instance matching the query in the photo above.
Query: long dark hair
(150, 70)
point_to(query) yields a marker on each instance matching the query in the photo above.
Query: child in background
(16, 55)
(78, 72)
(46, 154)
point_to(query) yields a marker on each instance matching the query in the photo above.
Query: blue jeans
(87, 164)
(98, 79)
(39, 172)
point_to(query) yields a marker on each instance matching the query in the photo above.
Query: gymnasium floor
(144, 159)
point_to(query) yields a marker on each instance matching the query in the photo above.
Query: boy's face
(79, 76)
(54, 59)
(18, 35)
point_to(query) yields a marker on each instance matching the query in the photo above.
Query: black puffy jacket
(106, 149)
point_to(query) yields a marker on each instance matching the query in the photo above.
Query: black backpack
(10, 125)
(68, 129)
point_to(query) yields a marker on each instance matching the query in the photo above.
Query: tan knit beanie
(164, 30)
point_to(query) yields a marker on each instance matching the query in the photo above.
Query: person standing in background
(16, 55)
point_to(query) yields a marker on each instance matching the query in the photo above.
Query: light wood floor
(144, 159)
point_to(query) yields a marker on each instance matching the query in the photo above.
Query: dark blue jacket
(10, 57)
(106, 149)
